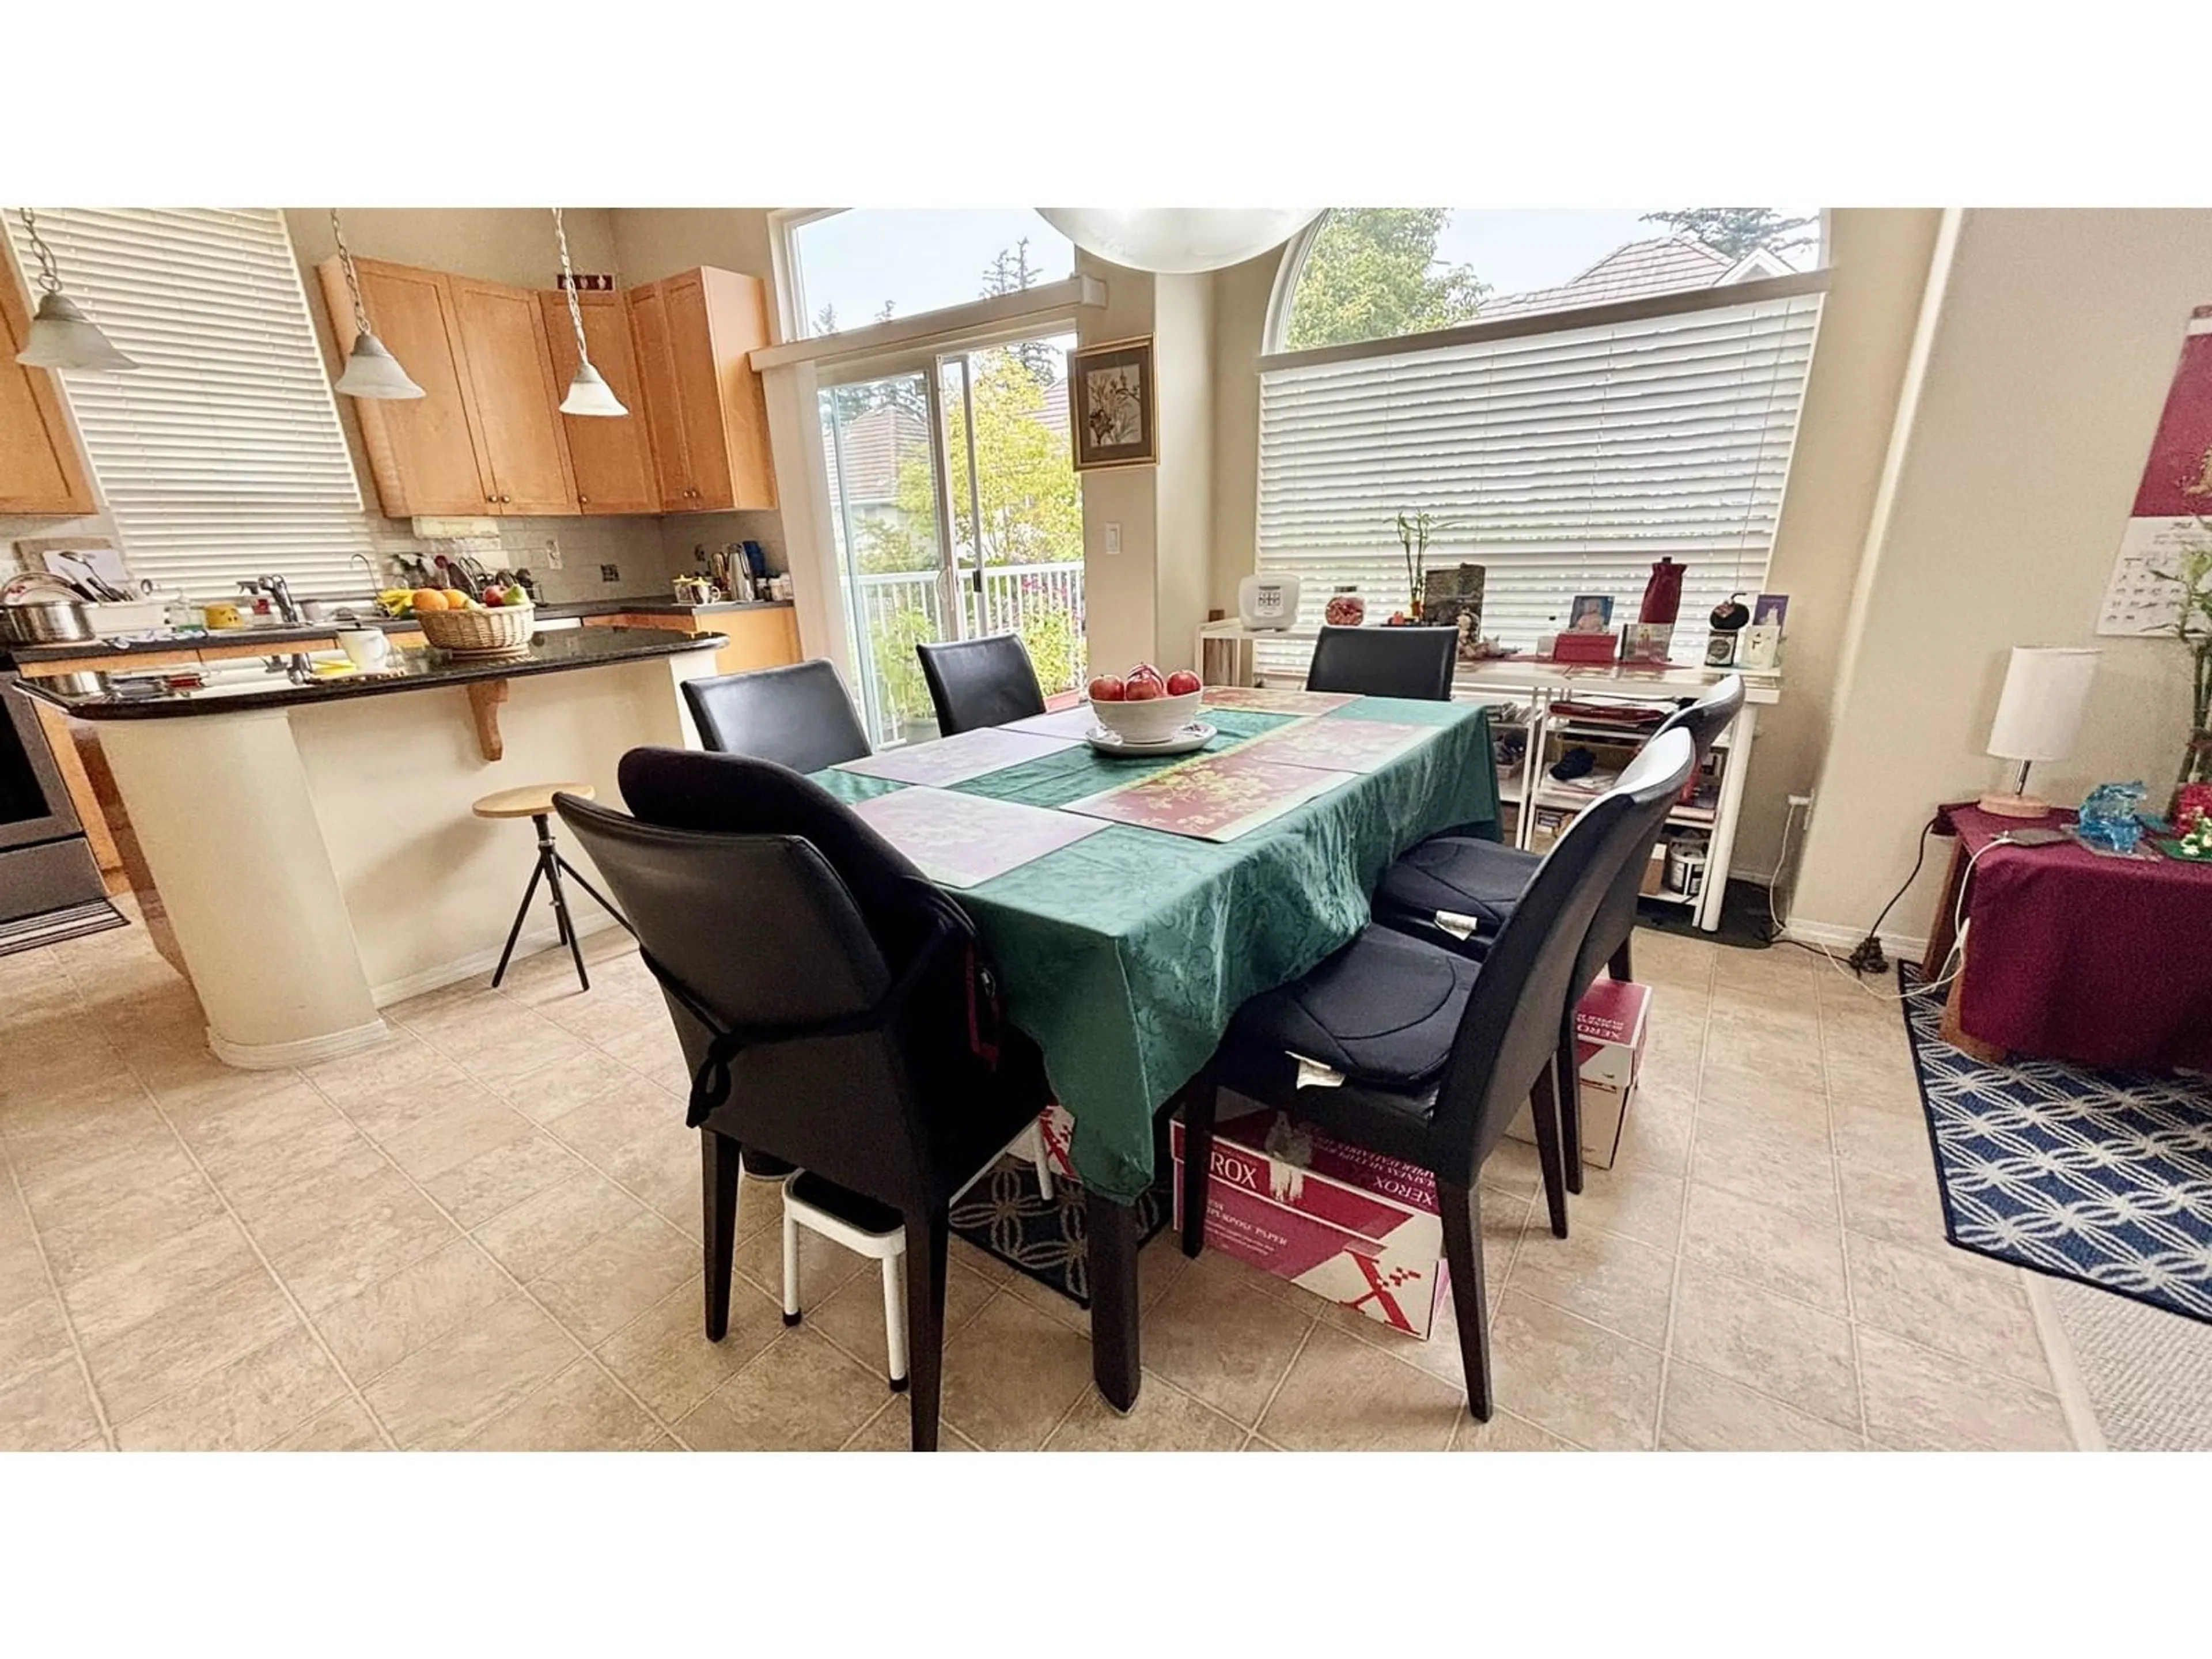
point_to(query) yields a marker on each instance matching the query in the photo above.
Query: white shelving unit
(1226, 656)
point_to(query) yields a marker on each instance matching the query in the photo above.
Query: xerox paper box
(1345, 1224)
(1058, 1128)
(1609, 1026)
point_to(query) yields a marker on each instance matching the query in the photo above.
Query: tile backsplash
(633, 546)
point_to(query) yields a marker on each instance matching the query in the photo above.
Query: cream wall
(2046, 366)
(500, 245)
(651, 243)
(1241, 294)
(1120, 595)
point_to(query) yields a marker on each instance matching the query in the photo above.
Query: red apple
(1106, 688)
(1137, 690)
(1182, 683)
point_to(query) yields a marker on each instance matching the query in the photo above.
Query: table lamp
(2038, 714)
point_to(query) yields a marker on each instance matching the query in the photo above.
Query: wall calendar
(2173, 503)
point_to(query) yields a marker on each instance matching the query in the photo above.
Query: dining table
(1130, 904)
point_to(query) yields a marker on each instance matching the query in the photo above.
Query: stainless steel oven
(45, 862)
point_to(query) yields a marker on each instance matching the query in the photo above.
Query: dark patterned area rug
(2104, 1177)
(1004, 1214)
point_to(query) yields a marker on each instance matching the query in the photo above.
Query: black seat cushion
(1382, 1010)
(1466, 875)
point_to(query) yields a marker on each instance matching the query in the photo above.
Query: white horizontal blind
(1566, 463)
(220, 457)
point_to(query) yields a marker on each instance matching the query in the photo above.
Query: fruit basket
(479, 632)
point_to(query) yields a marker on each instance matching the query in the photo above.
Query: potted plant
(1415, 531)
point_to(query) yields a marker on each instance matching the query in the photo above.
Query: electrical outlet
(552, 553)
(610, 573)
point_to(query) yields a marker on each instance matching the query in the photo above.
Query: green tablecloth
(1124, 954)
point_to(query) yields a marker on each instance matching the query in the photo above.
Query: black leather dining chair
(976, 683)
(1434, 1053)
(798, 717)
(1459, 891)
(1385, 662)
(833, 1004)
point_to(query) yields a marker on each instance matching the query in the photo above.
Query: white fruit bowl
(1153, 720)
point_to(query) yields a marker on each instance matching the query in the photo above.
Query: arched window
(1361, 274)
(1563, 398)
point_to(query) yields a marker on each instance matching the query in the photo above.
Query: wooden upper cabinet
(423, 453)
(485, 438)
(695, 335)
(39, 471)
(612, 456)
(510, 372)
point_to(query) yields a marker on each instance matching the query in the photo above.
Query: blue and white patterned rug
(2100, 1176)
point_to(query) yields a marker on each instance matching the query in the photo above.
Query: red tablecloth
(2073, 956)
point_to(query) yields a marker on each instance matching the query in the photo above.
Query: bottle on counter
(1345, 608)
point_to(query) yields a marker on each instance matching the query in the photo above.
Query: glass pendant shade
(1178, 241)
(63, 337)
(589, 394)
(373, 372)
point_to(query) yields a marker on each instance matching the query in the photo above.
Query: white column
(220, 806)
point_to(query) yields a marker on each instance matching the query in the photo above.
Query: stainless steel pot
(45, 622)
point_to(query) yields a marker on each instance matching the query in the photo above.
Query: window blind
(220, 457)
(1562, 463)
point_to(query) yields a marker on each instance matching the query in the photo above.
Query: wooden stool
(535, 802)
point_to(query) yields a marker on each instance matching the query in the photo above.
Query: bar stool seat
(531, 800)
(534, 801)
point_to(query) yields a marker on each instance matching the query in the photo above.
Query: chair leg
(1568, 1068)
(521, 915)
(1544, 1111)
(604, 902)
(790, 1264)
(927, 1240)
(719, 1169)
(1621, 967)
(1198, 1108)
(895, 1319)
(1460, 1209)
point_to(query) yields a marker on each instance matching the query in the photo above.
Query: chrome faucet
(279, 590)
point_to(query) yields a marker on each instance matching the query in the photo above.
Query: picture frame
(1452, 597)
(1110, 405)
(1772, 611)
(1591, 613)
(1649, 644)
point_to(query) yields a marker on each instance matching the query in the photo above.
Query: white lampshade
(2045, 688)
(589, 394)
(373, 372)
(1178, 241)
(63, 337)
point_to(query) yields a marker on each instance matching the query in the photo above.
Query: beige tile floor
(485, 1235)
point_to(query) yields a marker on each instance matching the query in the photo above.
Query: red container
(1586, 648)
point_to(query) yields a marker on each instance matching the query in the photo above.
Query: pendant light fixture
(370, 371)
(61, 336)
(588, 393)
(1178, 241)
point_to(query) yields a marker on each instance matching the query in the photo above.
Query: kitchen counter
(418, 668)
(658, 607)
(313, 846)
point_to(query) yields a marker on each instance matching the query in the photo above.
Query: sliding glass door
(956, 513)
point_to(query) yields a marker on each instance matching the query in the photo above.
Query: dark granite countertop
(238, 690)
(657, 606)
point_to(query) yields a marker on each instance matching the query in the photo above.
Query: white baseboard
(308, 1051)
(1909, 947)
(482, 962)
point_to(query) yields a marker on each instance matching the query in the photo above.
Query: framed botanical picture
(1110, 393)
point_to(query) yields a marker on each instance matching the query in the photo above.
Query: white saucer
(1196, 735)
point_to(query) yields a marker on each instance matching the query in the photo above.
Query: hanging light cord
(353, 282)
(49, 278)
(568, 287)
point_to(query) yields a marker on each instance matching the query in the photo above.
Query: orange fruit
(430, 598)
(456, 600)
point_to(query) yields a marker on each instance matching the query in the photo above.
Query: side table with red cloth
(2074, 955)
